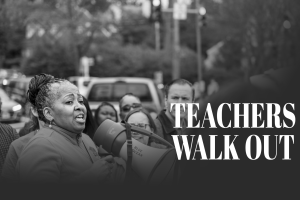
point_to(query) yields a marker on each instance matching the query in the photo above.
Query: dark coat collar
(166, 122)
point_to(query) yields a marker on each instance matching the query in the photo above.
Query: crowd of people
(56, 144)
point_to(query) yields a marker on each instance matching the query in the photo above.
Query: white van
(113, 88)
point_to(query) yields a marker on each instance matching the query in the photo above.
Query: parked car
(113, 88)
(11, 111)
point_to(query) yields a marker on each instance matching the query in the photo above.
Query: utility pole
(179, 11)
(73, 45)
(157, 35)
(198, 38)
(176, 50)
(156, 17)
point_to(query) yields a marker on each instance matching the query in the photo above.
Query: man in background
(177, 91)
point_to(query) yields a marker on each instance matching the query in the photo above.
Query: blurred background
(208, 42)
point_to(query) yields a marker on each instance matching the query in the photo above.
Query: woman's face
(129, 103)
(106, 112)
(140, 120)
(69, 111)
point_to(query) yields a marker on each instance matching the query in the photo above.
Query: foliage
(49, 58)
(56, 31)
(257, 35)
(264, 35)
(12, 32)
(135, 29)
(139, 61)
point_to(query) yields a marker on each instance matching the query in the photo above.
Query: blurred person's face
(129, 103)
(140, 120)
(68, 110)
(106, 112)
(178, 94)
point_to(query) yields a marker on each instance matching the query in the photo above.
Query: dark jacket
(7, 136)
(165, 127)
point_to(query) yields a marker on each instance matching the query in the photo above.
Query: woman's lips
(80, 118)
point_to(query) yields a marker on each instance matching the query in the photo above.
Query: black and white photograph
(150, 96)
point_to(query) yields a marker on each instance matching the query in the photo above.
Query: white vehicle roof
(147, 81)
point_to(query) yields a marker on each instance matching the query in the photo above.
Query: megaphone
(151, 164)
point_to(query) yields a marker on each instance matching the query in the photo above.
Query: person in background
(152, 111)
(127, 103)
(9, 169)
(7, 136)
(90, 124)
(141, 118)
(60, 152)
(177, 91)
(105, 111)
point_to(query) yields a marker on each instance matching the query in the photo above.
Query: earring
(50, 125)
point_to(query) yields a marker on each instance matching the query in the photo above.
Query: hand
(108, 159)
(102, 168)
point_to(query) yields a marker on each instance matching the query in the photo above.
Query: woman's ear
(48, 113)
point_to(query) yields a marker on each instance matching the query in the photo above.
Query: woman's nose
(79, 106)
